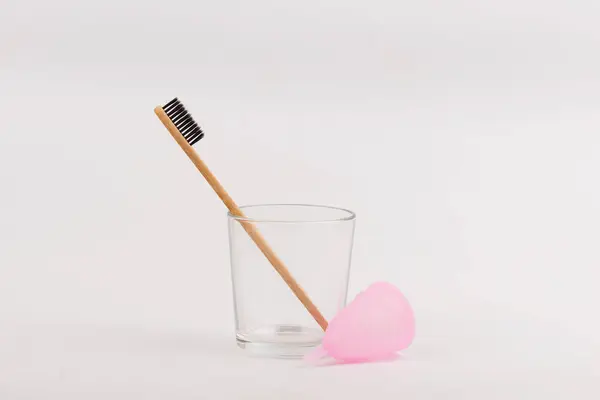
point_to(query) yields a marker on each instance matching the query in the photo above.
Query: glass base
(280, 341)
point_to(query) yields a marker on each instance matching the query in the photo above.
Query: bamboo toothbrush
(186, 133)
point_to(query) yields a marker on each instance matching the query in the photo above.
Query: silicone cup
(378, 323)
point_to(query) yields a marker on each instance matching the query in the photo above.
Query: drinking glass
(315, 244)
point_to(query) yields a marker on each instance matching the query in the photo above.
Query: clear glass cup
(315, 244)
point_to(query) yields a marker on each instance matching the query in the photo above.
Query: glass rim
(349, 215)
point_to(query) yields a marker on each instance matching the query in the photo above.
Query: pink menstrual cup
(374, 326)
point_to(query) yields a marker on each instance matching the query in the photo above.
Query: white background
(464, 134)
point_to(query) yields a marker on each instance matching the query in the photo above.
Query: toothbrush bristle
(183, 121)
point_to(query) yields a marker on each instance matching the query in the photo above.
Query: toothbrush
(186, 133)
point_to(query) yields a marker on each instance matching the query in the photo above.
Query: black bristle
(171, 103)
(194, 141)
(176, 111)
(184, 124)
(178, 118)
(189, 132)
(187, 129)
(192, 133)
(183, 121)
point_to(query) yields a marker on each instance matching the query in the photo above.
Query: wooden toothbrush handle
(249, 227)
